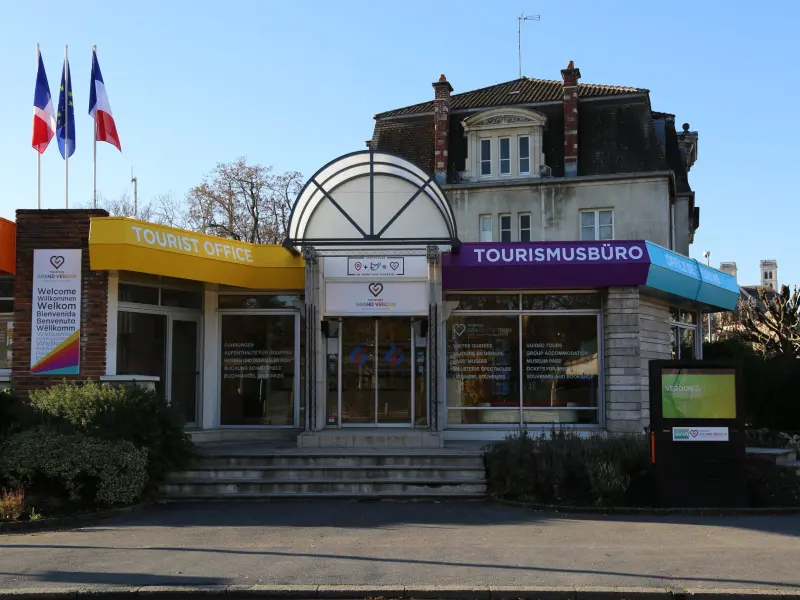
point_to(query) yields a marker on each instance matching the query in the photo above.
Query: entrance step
(370, 438)
(781, 456)
(354, 473)
(203, 436)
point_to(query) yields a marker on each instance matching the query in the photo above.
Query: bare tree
(244, 202)
(772, 323)
(163, 209)
(123, 207)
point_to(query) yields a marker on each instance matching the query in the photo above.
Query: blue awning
(679, 276)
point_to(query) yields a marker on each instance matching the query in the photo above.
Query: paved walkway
(405, 544)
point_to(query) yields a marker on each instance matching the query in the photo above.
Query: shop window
(482, 369)
(485, 301)
(524, 153)
(560, 301)
(554, 357)
(138, 294)
(684, 341)
(159, 296)
(485, 224)
(142, 345)
(6, 321)
(597, 225)
(561, 369)
(258, 369)
(524, 227)
(486, 158)
(181, 298)
(257, 301)
(505, 228)
(505, 156)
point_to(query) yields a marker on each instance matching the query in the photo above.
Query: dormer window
(515, 133)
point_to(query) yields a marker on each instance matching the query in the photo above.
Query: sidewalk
(414, 544)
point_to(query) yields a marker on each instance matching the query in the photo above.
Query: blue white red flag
(105, 127)
(44, 117)
(65, 135)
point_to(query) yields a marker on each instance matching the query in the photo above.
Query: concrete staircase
(783, 457)
(358, 473)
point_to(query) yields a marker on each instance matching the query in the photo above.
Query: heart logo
(375, 289)
(459, 329)
(394, 265)
(693, 432)
(57, 261)
(374, 266)
(357, 266)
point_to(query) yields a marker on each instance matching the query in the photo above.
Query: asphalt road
(405, 544)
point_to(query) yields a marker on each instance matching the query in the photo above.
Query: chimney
(570, 88)
(729, 268)
(441, 127)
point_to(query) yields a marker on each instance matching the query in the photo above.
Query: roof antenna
(520, 19)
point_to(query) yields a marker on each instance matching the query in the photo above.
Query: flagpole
(38, 154)
(94, 145)
(66, 127)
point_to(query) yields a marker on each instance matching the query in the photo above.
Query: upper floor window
(486, 158)
(524, 227)
(485, 228)
(597, 224)
(505, 156)
(516, 134)
(524, 154)
(505, 228)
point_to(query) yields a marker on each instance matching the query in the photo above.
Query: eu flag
(65, 135)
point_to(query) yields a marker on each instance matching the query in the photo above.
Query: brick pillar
(571, 75)
(623, 360)
(441, 128)
(57, 229)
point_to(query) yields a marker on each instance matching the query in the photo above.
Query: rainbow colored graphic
(64, 359)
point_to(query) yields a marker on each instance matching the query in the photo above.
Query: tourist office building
(373, 314)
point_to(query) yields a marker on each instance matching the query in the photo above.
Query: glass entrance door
(379, 364)
(184, 377)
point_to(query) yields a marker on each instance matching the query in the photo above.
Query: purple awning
(532, 265)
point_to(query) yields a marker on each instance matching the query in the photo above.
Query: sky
(294, 84)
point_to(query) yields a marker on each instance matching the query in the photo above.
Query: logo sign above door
(375, 267)
(366, 297)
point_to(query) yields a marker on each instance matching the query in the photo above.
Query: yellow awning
(122, 244)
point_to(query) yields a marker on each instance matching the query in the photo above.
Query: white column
(111, 323)
(211, 359)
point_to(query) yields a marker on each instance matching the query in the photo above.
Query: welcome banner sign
(56, 312)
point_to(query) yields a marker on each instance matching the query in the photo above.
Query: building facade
(504, 258)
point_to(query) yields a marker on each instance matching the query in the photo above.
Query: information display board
(697, 433)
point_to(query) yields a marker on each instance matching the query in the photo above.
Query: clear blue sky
(294, 84)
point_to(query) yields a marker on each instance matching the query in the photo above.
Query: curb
(621, 510)
(68, 522)
(433, 592)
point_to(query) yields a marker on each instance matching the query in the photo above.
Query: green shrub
(771, 485)
(114, 413)
(79, 470)
(564, 468)
(15, 415)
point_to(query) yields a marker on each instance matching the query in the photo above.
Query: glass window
(560, 301)
(258, 369)
(485, 301)
(486, 157)
(6, 288)
(587, 226)
(683, 333)
(181, 298)
(138, 294)
(505, 156)
(486, 228)
(524, 228)
(483, 363)
(6, 305)
(240, 301)
(605, 220)
(561, 369)
(597, 225)
(6, 329)
(505, 228)
(142, 345)
(524, 154)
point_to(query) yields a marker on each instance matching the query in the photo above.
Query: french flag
(99, 108)
(44, 116)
